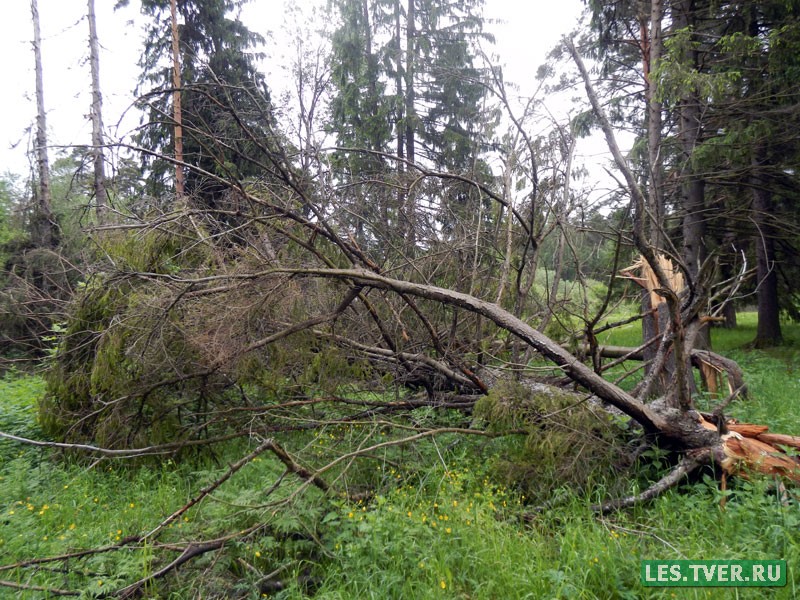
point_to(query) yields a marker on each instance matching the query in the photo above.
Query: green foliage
(112, 349)
(568, 444)
(12, 232)
(442, 522)
(678, 78)
(222, 90)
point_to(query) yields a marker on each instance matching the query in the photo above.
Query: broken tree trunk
(679, 429)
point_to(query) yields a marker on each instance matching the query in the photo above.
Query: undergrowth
(444, 523)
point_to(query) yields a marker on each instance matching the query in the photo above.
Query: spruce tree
(225, 102)
(406, 83)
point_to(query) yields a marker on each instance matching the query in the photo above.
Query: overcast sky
(525, 30)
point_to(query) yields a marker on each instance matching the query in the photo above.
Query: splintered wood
(751, 448)
(643, 274)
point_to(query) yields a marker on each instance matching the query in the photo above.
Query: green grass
(443, 525)
(393, 550)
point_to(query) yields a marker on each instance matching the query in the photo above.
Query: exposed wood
(748, 447)
(747, 429)
(716, 369)
(744, 454)
(780, 439)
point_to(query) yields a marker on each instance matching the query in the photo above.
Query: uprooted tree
(278, 308)
(310, 310)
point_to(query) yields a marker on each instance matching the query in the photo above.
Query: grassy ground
(447, 528)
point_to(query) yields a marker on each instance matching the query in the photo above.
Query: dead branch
(38, 588)
(296, 468)
(651, 420)
(191, 551)
(232, 469)
(687, 466)
(123, 453)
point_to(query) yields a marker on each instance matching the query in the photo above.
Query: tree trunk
(679, 428)
(44, 229)
(177, 113)
(768, 332)
(653, 322)
(98, 159)
(410, 122)
(652, 46)
(693, 186)
(399, 108)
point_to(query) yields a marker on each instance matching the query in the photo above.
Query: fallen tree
(293, 320)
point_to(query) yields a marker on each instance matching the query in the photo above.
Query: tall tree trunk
(98, 159)
(44, 229)
(410, 122)
(177, 113)
(399, 108)
(410, 91)
(768, 332)
(651, 40)
(693, 186)
(652, 46)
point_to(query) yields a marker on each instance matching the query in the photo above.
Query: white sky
(525, 31)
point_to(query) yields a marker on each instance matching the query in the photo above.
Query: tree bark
(693, 186)
(44, 229)
(410, 124)
(768, 332)
(177, 113)
(652, 47)
(98, 158)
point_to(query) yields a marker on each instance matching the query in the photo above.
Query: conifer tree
(222, 94)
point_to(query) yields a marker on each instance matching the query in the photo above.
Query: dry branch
(688, 465)
(123, 452)
(38, 588)
(684, 430)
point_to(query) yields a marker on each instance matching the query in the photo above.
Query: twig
(670, 480)
(37, 588)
